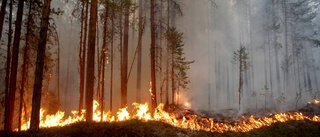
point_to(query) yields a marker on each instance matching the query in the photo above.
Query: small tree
(179, 63)
(241, 57)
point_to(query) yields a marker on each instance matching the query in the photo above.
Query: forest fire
(188, 121)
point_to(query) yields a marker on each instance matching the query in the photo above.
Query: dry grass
(136, 128)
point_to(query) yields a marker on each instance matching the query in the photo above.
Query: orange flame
(192, 122)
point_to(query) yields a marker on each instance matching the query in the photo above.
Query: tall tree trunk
(7, 78)
(99, 61)
(159, 49)
(90, 60)
(2, 13)
(24, 65)
(240, 90)
(36, 98)
(124, 63)
(13, 76)
(104, 52)
(228, 87)
(58, 77)
(172, 77)
(270, 64)
(286, 75)
(67, 79)
(84, 52)
(209, 59)
(315, 76)
(251, 46)
(81, 48)
(111, 57)
(139, 61)
(152, 59)
(121, 50)
(276, 49)
(265, 77)
(168, 54)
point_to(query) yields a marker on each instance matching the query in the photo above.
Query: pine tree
(36, 99)
(9, 109)
(90, 60)
(241, 57)
(179, 64)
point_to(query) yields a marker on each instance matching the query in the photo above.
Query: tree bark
(152, 59)
(25, 65)
(286, 75)
(84, 52)
(168, 54)
(111, 57)
(90, 60)
(139, 61)
(124, 68)
(240, 79)
(275, 40)
(7, 78)
(13, 76)
(104, 52)
(81, 55)
(2, 13)
(36, 98)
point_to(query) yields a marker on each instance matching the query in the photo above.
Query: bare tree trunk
(58, 77)
(152, 59)
(276, 50)
(160, 50)
(172, 78)
(81, 63)
(240, 90)
(84, 52)
(111, 57)
(124, 63)
(90, 60)
(36, 99)
(24, 66)
(167, 58)
(270, 64)
(2, 13)
(139, 62)
(286, 75)
(67, 79)
(104, 52)
(13, 76)
(121, 51)
(265, 77)
(99, 60)
(7, 78)
(315, 76)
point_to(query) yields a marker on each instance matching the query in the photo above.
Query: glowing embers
(315, 102)
(182, 119)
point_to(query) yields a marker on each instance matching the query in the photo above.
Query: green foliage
(242, 56)
(179, 62)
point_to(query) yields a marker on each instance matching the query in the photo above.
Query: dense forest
(213, 55)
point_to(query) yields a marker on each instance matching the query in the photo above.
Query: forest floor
(137, 128)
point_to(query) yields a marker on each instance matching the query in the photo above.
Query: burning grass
(305, 128)
(175, 123)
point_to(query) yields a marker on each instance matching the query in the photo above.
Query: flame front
(192, 122)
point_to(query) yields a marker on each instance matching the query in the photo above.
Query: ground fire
(183, 118)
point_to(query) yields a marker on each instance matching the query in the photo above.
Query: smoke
(212, 34)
